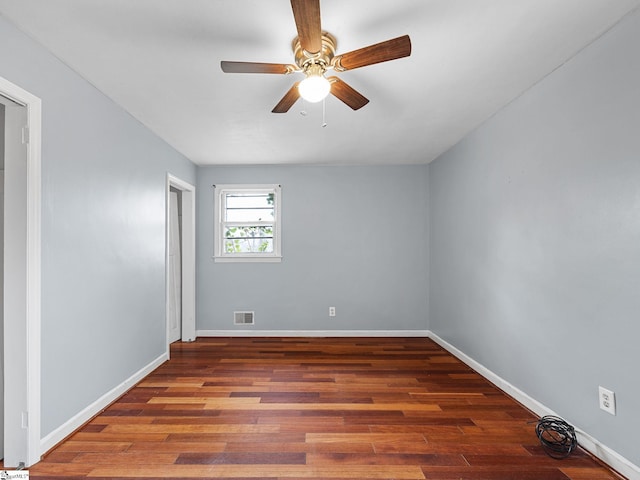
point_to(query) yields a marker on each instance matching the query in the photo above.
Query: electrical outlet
(607, 400)
(332, 311)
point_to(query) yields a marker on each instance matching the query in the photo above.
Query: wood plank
(189, 428)
(78, 446)
(386, 459)
(262, 471)
(179, 447)
(128, 458)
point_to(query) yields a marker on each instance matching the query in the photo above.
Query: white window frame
(219, 253)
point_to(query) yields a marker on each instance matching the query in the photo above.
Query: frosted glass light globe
(314, 88)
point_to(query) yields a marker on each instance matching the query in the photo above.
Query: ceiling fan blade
(347, 94)
(288, 100)
(307, 16)
(378, 53)
(252, 67)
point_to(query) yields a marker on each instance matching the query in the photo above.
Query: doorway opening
(21, 270)
(180, 261)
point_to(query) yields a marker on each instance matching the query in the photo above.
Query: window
(247, 223)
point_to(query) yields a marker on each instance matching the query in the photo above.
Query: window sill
(247, 259)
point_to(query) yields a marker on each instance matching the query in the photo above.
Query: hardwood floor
(312, 408)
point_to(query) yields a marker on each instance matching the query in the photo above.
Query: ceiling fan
(315, 53)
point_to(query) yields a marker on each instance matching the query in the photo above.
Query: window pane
(248, 239)
(250, 207)
(249, 200)
(249, 215)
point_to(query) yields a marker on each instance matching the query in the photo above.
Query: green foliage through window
(249, 239)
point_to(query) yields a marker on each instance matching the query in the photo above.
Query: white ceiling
(160, 60)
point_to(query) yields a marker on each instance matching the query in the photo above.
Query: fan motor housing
(305, 59)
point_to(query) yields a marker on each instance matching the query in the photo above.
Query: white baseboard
(586, 441)
(66, 429)
(312, 333)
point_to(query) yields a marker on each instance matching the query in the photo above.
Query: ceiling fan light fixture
(314, 88)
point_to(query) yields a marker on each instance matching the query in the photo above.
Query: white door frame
(22, 335)
(188, 230)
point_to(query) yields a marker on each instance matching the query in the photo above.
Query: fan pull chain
(324, 122)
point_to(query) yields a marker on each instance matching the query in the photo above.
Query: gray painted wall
(103, 241)
(353, 238)
(2, 402)
(535, 245)
(1, 137)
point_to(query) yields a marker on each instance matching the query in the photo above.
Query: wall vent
(243, 318)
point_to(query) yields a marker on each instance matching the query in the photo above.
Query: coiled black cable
(557, 437)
